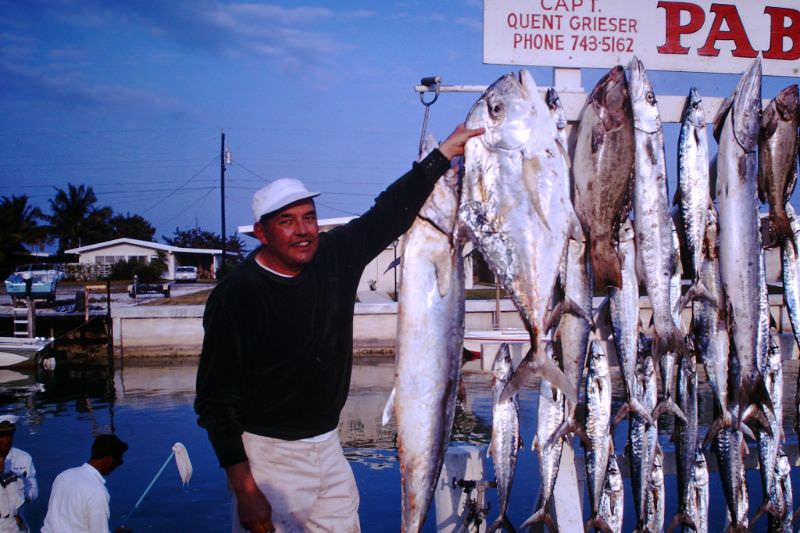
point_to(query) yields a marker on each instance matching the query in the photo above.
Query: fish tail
(502, 522)
(605, 264)
(598, 523)
(668, 405)
(780, 227)
(681, 518)
(541, 515)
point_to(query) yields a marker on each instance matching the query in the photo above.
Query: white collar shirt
(78, 502)
(21, 463)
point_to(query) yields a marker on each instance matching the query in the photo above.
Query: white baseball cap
(8, 423)
(278, 195)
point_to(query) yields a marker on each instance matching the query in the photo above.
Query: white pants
(310, 486)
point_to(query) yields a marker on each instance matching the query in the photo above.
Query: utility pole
(222, 195)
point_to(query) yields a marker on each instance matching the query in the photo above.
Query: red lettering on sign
(728, 14)
(674, 29)
(778, 32)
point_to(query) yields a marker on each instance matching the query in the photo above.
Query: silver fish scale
(686, 442)
(791, 274)
(727, 446)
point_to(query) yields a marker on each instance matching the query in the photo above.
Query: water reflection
(150, 406)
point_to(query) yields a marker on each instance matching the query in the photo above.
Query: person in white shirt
(79, 498)
(17, 478)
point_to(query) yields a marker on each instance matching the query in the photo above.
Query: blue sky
(130, 98)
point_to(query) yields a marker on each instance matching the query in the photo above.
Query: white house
(125, 249)
(380, 274)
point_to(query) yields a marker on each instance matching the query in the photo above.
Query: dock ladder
(22, 322)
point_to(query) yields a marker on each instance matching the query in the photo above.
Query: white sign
(700, 36)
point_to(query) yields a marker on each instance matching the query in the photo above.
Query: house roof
(144, 244)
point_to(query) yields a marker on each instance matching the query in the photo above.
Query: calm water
(151, 408)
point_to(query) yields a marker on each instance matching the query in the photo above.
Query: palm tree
(75, 219)
(19, 226)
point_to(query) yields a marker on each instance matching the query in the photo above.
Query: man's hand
(454, 144)
(255, 512)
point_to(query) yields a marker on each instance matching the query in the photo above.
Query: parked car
(186, 273)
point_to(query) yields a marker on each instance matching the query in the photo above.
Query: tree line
(76, 219)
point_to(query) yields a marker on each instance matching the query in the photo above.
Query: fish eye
(651, 97)
(495, 109)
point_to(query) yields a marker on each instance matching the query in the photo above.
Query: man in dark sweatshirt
(277, 354)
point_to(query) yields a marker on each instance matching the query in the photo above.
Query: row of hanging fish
(557, 228)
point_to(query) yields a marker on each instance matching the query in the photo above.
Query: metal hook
(433, 83)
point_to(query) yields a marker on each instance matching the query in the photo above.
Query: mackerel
(609, 517)
(643, 434)
(598, 423)
(505, 443)
(790, 264)
(550, 416)
(777, 158)
(783, 470)
(769, 439)
(686, 432)
(730, 448)
(652, 221)
(655, 504)
(516, 207)
(602, 167)
(736, 128)
(430, 338)
(624, 308)
(693, 194)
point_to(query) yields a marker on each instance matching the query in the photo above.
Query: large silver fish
(777, 158)
(693, 194)
(602, 167)
(790, 262)
(736, 127)
(598, 423)
(505, 443)
(430, 334)
(652, 221)
(516, 206)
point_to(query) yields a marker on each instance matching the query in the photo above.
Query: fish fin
(598, 523)
(521, 377)
(531, 176)
(633, 406)
(722, 113)
(443, 265)
(665, 405)
(756, 414)
(552, 318)
(502, 522)
(541, 515)
(722, 422)
(566, 427)
(548, 370)
(388, 409)
(681, 518)
(605, 264)
(568, 305)
(697, 291)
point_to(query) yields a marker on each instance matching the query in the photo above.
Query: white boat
(484, 343)
(16, 350)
